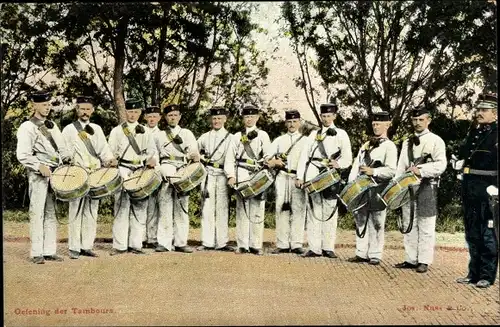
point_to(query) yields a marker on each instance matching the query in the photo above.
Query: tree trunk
(119, 99)
(155, 94)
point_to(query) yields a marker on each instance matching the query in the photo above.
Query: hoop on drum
(397, 192)
(355, 194)
(142, 183)
(256, 185)
(69, 182)
(189, 177)
(322, 181)
(104, 182)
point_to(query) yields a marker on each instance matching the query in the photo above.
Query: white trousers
(249, 222)
(289, 225)
(42, 213)
(215, 212)
(152, 214)
(372, 244)
(173, 223)
(419, 242)
(130, 219)
(82, 227)
(321, 235)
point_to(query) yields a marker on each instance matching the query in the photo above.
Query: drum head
(102, 176)
(68, 178)
(187, 170)
(139, 179)
(398, 200)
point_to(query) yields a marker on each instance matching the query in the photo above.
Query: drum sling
(85, 139)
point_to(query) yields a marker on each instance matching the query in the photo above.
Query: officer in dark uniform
(479, 153)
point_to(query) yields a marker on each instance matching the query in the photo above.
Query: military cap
(152, 110)
(249, 109)
(487, 101)
(328, 108)
(84, 99)
(216, 111)
(418, 111)
(381, 116)
(40, 97)
(292, 114)
(131, 104)
(171, 107)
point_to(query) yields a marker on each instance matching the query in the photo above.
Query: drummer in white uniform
(424, 154)
(40, 149)
(152, 115)
(243, 160)
(283, 155)
(177, 147)
(89, 148)
(328, 148)
(377, 158)
(213, 147)
(133, 153)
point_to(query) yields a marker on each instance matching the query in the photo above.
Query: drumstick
(62, 175)
(102, 176)
(66, 174)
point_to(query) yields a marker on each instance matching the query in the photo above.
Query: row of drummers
(150, 172)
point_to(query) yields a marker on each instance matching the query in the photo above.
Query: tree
(397, 54)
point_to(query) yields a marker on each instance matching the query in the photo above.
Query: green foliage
(395, 54)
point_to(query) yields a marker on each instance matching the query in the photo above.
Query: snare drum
(256, 185)
(397, 193)
(104, 182)
(142, 183)
(322, 181)
(354, 195)
(69, 182)
(188, 177)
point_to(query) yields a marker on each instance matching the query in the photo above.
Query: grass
(449, 220)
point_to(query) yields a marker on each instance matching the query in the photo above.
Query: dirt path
(215, 288)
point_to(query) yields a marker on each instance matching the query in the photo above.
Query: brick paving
(218, 288)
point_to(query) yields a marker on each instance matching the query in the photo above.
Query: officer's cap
(487, 101)
(41, 96)
(84, 99)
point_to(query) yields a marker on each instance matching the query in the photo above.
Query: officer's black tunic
(480, 153)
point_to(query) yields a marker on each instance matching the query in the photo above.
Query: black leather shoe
(225, 248)
(465, 280)
(278, 251)
(405, 265)
(204, 248)
(358, 259)
(483, 283)
(161, 248)
(298, 251)
(242, 250)
(329, 254)
(256, 251)
(136, 251)
(183, 249)
(74, 254)
(421, 268)
(374, 261)
(53, 258)
(311, 254)
(117, 252)
(88, 253)
(146, 245)
(38, 260)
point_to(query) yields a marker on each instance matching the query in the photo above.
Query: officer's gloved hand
(455, 163)
(492, 191)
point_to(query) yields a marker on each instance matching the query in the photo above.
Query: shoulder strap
(248, 149)
(410, 151)
(83, 136)
(218, 146)
(131, 139)
(293, 144)
(45, 132)
(171, 138)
